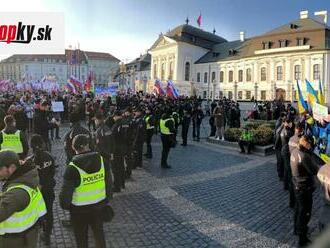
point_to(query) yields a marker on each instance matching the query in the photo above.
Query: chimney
(304, 14)
(324, 14)
(242, 36)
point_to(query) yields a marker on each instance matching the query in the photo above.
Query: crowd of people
(103, 146)
(301, 150)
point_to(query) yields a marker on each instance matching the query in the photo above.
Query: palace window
(170, 76)
(198, 77)
(297, 72)
(279, 73)
(213, 77)
(263, 95)
(301, 41)
(205, 77)
(187, 71)
(230, 95)
(221, 76)
(240, 95)
(230, 76)
(240, 76)
(204, 94)
(155, 71)
(248, 95)
(316, 72)
(162, 73)
(266, 45)
(283, 43)
(248, 75)
(263, 76)
(220, 94)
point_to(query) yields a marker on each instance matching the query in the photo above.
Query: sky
(127, 28)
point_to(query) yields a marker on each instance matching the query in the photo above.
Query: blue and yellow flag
(311, 94)
(302, 105)
(320, 94)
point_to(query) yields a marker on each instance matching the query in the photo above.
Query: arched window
(316, 72)
(263, 76)
(279, 72)
(155, 71)
(297, 72)
(198, 77)
(170, 76)
(230, 76)
(205, 77)
(187, 71)
(221, 76)
(248, 75)
(213, 77)
(240, 76)
(162, 75)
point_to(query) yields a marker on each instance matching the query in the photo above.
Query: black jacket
(304, 167)
(41, 124)
(285, 135)
(103, 140)
(45, 164)
(89, 162)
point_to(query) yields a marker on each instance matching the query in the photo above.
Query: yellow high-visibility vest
(147, 122)
(12, 142)
(92, 187)
(163, 129)
(25, 219)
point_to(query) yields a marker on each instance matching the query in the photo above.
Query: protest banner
(57, 107)
(320, 112)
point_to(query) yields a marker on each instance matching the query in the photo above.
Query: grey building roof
(223, 51)
(301, 25)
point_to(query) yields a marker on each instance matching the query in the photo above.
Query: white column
(307, 68)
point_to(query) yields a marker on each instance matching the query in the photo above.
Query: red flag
(199, 20)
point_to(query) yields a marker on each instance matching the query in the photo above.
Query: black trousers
(196, 130)
(184, 134)
(129, 161)
(213, 130)
(118, 170)
(49, 197)
(287, 178)
(243, 143)
(150, 133)
(108, 176)
(303, 210)
(279, 163)
(138, 153)
(81, 222)
(57, 131)
(166, 142)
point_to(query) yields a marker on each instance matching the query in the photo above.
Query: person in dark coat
(304, 169)
(45, 164)
(185, 126)
(140, 134)
(42, 124)
(150, 126)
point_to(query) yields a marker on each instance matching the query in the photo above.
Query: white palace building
(262, 67)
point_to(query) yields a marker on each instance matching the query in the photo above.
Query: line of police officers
(115, 148)
(297, 165)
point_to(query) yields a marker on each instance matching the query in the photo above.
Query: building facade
(263, 67)
(77, 63)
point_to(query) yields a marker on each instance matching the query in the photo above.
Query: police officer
(278, 146)
(150, 125)
(167, 130)
(177, 120)
(128, 135)
(45, 164)
(84, 192)
(185, 126)
(304, 168)
(118, 152)
(140, 134)
(13, 139)
(102, 138)
(20, 199)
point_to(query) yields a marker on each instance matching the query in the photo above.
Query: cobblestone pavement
(212, 197)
